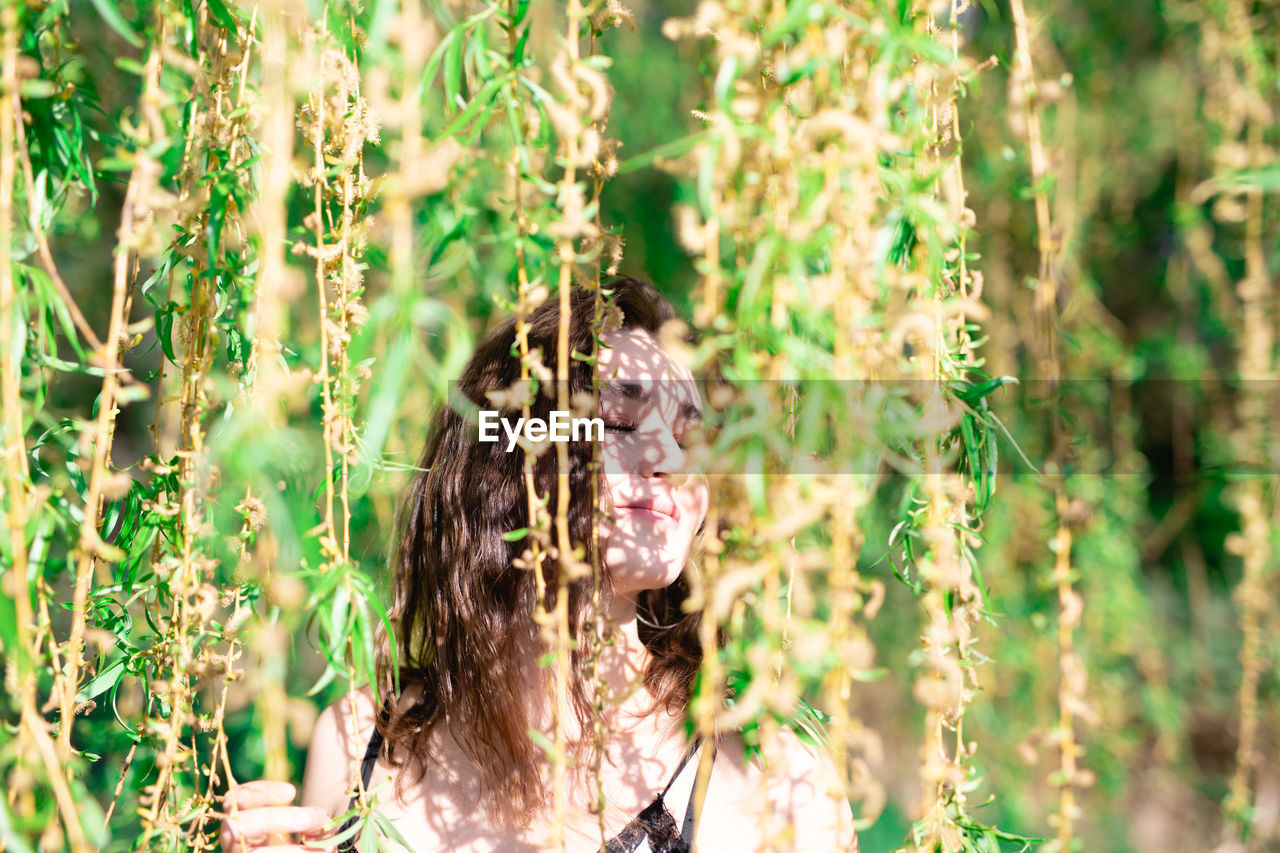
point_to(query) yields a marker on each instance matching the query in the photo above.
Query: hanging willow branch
(1072, 676)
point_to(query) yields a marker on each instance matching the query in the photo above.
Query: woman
(458, 745)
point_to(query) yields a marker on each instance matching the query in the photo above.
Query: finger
(259, 792)
(251, 824)
(276, 842)
(283, 845)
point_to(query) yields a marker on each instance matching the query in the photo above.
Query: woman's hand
(261, 818)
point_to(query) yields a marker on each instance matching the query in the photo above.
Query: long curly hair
(464, 612)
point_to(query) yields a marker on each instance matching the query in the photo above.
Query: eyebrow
(637, 392)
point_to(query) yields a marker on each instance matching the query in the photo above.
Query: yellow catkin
(952, 602)
(537, 551)
(416, 37)
(599, 631)
(265, 330)
(34, 742)
(1072, 676)
(834, 124)
(769, 138)
(142, 181)
(577, 115)
(189, 573)
(568, 148)
(337, 123)
(1255, 361)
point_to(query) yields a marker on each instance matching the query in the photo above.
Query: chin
(629, 578)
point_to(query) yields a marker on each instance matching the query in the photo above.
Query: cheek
(696, 502)
(611, 458)
(606, 527)
(608, 490)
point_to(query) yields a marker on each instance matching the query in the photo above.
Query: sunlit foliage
(1007, 270)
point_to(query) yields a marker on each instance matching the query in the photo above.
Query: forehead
(636, 354)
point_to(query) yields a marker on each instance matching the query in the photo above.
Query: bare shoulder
(803, 763)
(337, 747)
(804, 791)
(814, 795)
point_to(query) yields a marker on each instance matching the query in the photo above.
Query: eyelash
(619, 426)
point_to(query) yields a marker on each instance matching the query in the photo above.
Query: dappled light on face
(653, 505)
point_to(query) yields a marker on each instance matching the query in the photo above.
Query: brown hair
(463, 611)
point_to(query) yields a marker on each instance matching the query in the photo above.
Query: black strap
(366, 773)
(686, 831)
(688, 753)
(370, 757)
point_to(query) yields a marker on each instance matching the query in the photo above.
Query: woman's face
(649, 404)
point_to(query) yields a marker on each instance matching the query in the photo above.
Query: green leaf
(164, 330)
(379, 23)
(224, 16)
(724, 82)
(433, 64)
(386, 828)
(107, 9)
(330, 672)
(8, 624)
(540, 740)
(482, 99)
(133, 66)
(103, 681)
(974, 393)
(368, 837)
(38, 88)
(667, 150)
(478, 50)
(1266, 179)
(517, 60)
(452, 73)
(10, 840)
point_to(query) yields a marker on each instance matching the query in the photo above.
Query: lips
(657, 506)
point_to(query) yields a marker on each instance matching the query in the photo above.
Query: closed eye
(690, 434)
(620, 426)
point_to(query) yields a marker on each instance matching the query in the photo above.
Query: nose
(663, 457)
